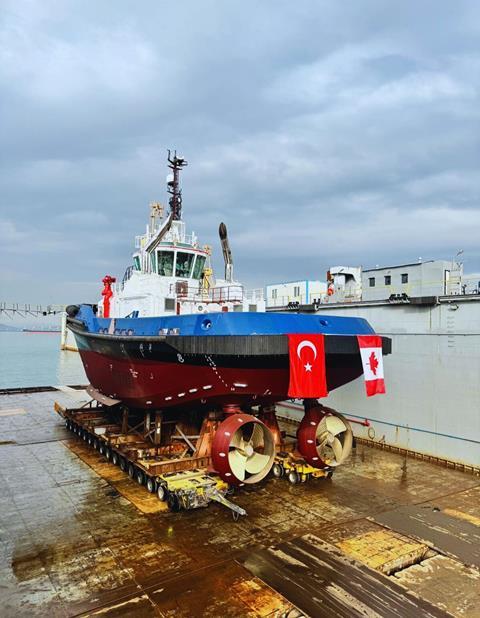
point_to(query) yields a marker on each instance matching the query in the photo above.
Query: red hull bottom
(147, 384)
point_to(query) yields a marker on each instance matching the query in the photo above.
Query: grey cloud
(320, 132)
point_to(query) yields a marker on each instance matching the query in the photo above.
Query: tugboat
(207, 365)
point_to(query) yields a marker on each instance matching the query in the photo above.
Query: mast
(173, 185)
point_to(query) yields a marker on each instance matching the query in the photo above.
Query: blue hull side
(229, 324)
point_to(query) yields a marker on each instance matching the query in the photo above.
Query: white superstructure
(171, 272)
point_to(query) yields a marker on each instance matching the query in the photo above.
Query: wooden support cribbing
(157, 436)
(146, 426)
(125, 420)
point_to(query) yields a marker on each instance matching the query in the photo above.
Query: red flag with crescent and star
(372, 361)
(307, 366)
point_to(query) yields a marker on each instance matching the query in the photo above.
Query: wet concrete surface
(77, 537)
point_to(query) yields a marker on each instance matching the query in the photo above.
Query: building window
(404, 277)
(274, 294)
(296, 290)
(388, 280)
(371, 282)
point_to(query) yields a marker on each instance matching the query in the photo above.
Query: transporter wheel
(151, 485)
(90, 439)
(115, 458)
(68, 424)
(173, 503)
(293, 477)
(131, 471)
(96, 444)
(102, 448)
(139, 476)
(278, 470)
(85, 435)
(329, 474)
(162, 492)
(108, 453)
(123, 464)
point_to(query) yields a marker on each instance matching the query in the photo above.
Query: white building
(430, 278)
(302, 292)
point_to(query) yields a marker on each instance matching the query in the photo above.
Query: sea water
(35, 359)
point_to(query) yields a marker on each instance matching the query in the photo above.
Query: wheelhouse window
(371, 282)
(199, 266)
(296, 290)
(405, 278)
(184, 264)
(388, 280)
(152, 261)
(136, 262)
(165, 263)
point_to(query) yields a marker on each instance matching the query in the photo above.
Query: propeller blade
(237, 440)
(256, 463)
(237, 463)
(335, 425)
(257, 439)
(337, 450)
(322, 439)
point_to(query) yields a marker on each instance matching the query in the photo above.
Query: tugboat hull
(181, 371)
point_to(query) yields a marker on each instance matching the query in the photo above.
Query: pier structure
(24, 310)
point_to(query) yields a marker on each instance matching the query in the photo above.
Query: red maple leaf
(373, 362)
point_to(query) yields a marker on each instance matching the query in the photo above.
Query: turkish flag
(372, 361)
(307, 366)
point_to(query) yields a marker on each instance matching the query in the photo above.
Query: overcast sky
(321, 132)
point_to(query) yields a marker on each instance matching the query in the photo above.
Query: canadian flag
(372, 361)
(307, 366)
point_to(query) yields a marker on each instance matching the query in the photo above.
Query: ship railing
(140, 241)
(195, 293)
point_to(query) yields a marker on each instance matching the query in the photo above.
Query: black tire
(90, 439)
(123, 464)
(173, 503)
(108, 453)
(151, 485)
(96, 444)
(162, 492)
(293, 477)
(115, 458)
(131, 471)
(102, 448)
(278, 470)
(329, 474)
(139, 476)
(67, 424)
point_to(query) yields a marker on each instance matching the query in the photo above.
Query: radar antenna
(176, 163)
